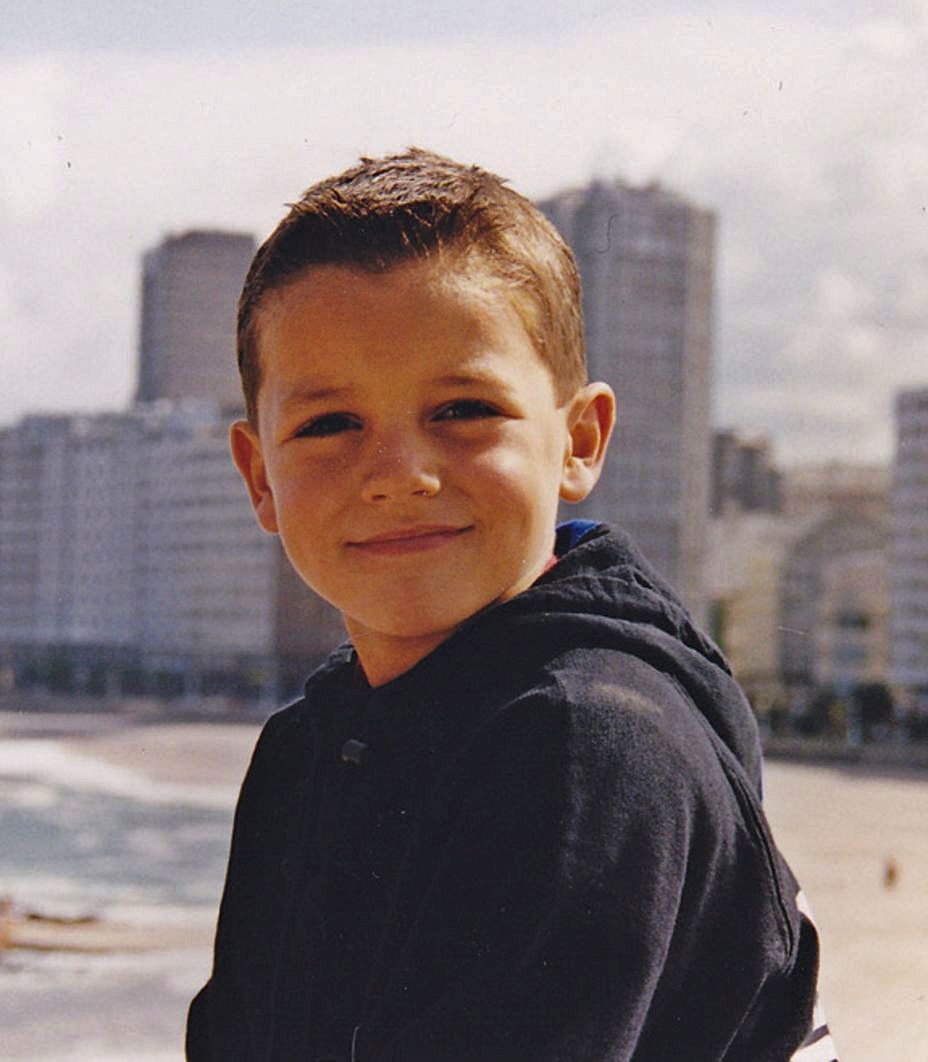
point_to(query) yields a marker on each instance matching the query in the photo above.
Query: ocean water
(81, 838)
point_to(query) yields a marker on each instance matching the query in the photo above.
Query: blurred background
(744, 188)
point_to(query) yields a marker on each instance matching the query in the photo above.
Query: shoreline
(97, 936)
(161, 751)
(142, 735)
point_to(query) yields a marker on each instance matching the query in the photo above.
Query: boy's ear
(590, 419)
(249, 460)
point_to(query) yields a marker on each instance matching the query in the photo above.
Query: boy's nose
(399, 469)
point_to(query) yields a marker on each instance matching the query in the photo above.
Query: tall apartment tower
(190, 287)
(646, 259)
(910, 546)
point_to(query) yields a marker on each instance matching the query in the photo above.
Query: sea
(78, 838)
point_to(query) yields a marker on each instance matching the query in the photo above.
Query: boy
(518, 817)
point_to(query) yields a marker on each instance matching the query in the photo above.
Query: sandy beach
(839, 827)
(208, 754)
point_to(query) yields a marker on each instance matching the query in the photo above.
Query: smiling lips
(408, 539)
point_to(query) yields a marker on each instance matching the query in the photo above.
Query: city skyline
(109, 569)
(802, 127)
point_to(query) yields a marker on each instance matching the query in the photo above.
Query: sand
(179, 754)
(840, 829)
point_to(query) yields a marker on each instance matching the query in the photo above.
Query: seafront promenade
(842, 828)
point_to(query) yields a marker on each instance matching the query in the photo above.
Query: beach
(841, 829)
(128, 824)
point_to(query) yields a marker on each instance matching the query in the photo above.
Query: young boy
(518, 817)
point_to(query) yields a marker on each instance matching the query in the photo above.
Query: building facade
(646, 259)
(745, 558)
(743, 474)
(130, 559)
(34, 548)
(190, 288)
(801, 595)
(910, 548)
(833, 603)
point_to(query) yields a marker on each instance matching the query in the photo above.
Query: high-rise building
(646, 259)
(910, 546)
(190, 288)
(127, 546)
(33, 543)
(68, 495)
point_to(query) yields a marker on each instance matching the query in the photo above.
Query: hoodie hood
(604, 592)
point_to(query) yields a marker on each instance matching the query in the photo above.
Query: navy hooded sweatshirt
(543, 843)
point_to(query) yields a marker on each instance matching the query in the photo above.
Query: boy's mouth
(409, 539)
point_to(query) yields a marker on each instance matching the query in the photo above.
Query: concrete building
(33, 547)
(813, 491)
(190, 289)
(216, 594)
(910, 548)
(853, 631)
(128, 551)
(646, 259)
(833, 615)
(743, 474)
(800, 597)
(67, 511)
(833, 594)
(745, 558)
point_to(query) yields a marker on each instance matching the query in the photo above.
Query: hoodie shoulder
(628, 719)
(603, 594)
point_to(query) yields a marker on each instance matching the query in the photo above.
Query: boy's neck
(384, 657)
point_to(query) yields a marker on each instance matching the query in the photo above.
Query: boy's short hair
(417, 205)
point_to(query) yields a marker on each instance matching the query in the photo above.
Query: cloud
(809, 138)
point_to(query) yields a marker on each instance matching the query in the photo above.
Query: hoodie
(543, 843)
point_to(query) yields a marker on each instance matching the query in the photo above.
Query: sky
(803, 125)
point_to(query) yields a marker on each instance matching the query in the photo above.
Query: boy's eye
(466, 409)
(329, 424)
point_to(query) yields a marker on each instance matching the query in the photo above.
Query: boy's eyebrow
(304, 395)
(466, 379)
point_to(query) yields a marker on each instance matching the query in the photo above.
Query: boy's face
(410, 450)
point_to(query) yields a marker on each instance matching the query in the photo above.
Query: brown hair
(411, 206)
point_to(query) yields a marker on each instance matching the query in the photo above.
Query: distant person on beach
(517, 818)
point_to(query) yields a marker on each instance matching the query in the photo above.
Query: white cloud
(30, 176)
(911, 300)
(842, 296)
(811, 140)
